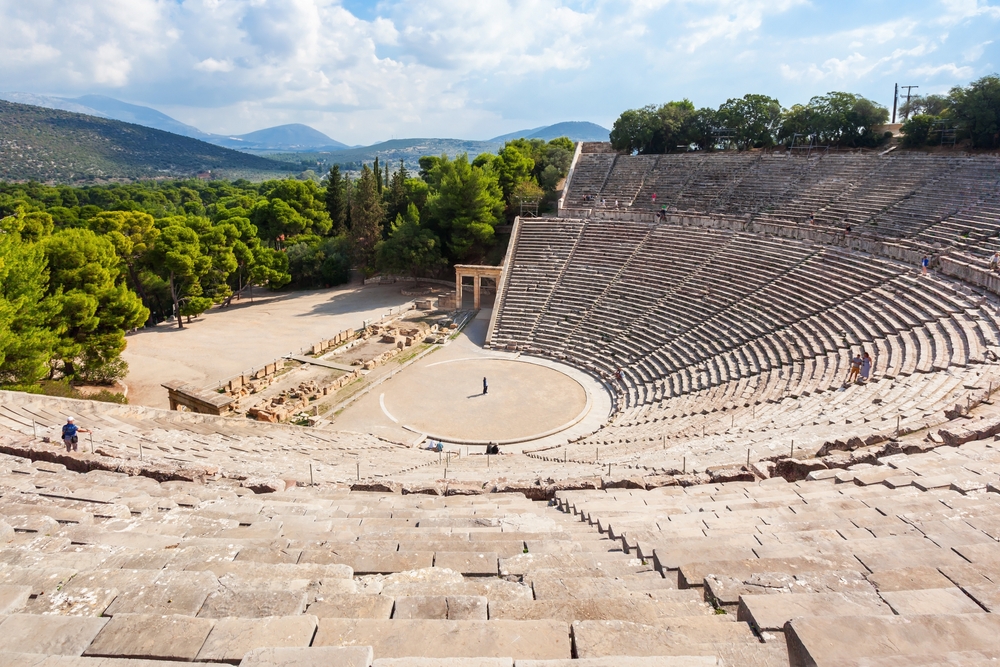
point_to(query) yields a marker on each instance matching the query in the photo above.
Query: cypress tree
(336, 205)
(366, 219)
(378, 177)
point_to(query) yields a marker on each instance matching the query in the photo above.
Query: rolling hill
(50, 145)
(293, 138)
(575, 130)
(139, 115)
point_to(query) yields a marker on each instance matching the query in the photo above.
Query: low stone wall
(961, 267)
(234, 385)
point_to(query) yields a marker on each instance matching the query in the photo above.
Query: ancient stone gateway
(477, 272)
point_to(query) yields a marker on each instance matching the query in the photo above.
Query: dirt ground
(225, 342)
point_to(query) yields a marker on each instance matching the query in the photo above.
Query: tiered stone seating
(589, 178)
(245, 449)
(708, 328)
(103, 569)
(883, 564)
(934, 199)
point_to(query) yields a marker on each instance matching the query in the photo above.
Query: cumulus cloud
(460, 68)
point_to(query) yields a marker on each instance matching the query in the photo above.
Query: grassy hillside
(59, 146)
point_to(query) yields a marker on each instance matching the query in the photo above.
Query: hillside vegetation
(59, 146)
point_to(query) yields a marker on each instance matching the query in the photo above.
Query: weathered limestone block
(352, 606)
(539, 640)
(327, 656)
(232, 638)
(151, 636)
(48, 635)
(13, 599)
(253, 604)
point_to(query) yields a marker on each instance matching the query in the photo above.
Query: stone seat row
(104, 565)
(882, 192)
(851, 553)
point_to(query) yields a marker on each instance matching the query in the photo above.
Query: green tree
(410, 249)
(652, 129)
(26, 311)
(754, 120)
(132, 234)
(396, 197)
(290, 208)
(95, 305)
(465, 208)
(917, 130)
(976, 109)
(177, 258)
(930, 105)
(513, 165)
(846, 119)
(633, 130)
(336, 201)
(367, 214)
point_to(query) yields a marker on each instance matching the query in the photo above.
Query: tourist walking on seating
(812, 219)
(924, 263)
(486, 387)
(866, 366)
(852, 376)
(654, 199)
(995, 262)
(69, 434)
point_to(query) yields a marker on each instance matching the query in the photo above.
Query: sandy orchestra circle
(523, 400)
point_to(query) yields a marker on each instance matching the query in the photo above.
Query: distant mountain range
(293, 138)
(57, 146)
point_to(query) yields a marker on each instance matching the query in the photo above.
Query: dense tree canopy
(751, 121)
(79, 267)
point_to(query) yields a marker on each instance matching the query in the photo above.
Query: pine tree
(366, 219)
(336, 205)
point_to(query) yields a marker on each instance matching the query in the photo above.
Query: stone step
(846, 640)
(771, 612)
(596, 639)
(544, 639)
(634, 609)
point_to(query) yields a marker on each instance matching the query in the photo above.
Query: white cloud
(957, 11)
(467, 68)
(974, 53)
(213, 65)
(951, 70)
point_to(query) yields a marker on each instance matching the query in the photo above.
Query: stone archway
(477, 273)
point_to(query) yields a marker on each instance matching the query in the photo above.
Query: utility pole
(895, 101)
(908, 89)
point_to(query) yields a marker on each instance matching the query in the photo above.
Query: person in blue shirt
(69, 434)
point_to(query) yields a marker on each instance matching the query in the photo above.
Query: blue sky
(367, 71)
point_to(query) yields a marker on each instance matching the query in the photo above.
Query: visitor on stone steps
(995, 262)
(866, 366)
(855, 369)
(486, 387)
(69, 434)
(924, 263)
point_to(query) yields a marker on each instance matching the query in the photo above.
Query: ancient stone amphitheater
(741, 505)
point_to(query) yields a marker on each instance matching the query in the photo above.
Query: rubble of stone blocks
(291, 402)
(341, 338)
